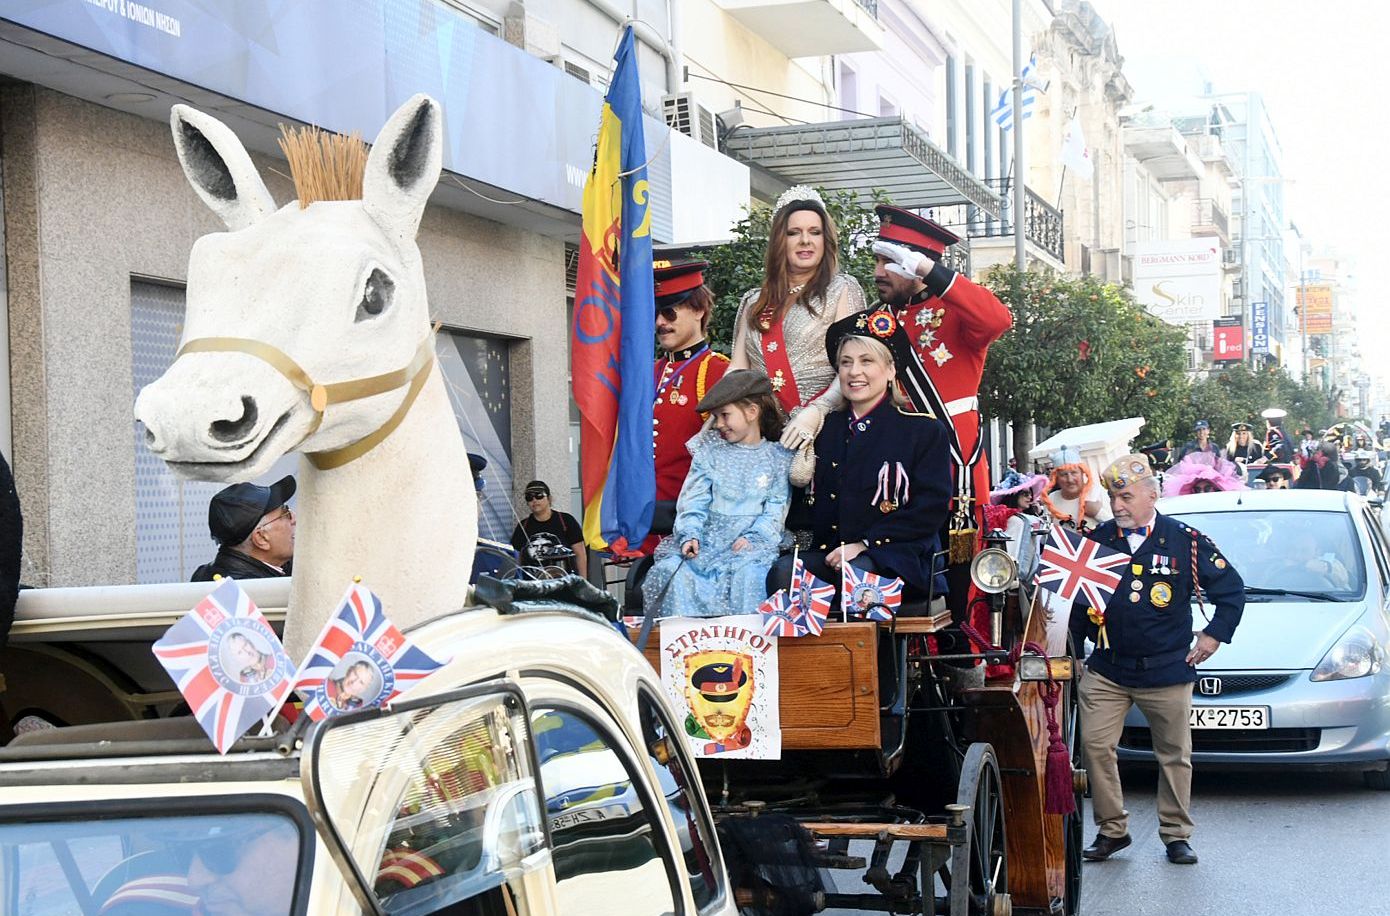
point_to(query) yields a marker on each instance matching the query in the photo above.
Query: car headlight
(993, 570)
(1356, 654)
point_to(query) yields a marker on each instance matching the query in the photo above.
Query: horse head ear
(219, 168)
(403, 166)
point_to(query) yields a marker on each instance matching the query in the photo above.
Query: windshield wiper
(1312, 596)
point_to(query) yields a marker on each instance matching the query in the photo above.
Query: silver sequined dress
(803, 330)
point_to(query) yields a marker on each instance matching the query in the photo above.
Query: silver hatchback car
(1305, 681)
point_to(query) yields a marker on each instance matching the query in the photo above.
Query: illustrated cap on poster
(675, 282)
(903, 227)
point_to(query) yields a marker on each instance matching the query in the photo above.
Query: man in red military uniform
(949, 321)
(686, 370)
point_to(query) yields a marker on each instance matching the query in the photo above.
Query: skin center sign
(1179, 280)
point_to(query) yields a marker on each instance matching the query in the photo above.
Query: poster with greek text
(721, 673)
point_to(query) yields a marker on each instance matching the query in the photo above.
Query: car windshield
(140, 865)
(1315, 553)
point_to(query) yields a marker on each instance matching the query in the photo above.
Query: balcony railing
(1207, 214)
(1042, 222)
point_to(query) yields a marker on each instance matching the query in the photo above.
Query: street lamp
(1247, 305)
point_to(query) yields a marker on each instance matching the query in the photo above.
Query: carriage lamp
(1033, 667)
(993, 571)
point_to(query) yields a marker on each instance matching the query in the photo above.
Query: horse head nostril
(236, 430)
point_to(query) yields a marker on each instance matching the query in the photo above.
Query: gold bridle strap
(320, 396)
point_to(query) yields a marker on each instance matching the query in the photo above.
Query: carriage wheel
(1073, 826)
(976, 878)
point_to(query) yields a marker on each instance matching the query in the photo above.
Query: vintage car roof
(1264, 500)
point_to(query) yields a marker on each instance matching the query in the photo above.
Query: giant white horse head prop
(307, 329)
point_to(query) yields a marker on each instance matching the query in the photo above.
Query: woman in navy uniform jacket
(882, 484)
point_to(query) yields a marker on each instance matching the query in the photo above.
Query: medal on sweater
(891, 497)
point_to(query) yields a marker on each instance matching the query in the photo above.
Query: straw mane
(324, 165)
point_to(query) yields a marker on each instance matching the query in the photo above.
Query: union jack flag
(811, 599)
(778, 618)
(227, 662)
(870, 595)
(1073, 566)
(360, 659)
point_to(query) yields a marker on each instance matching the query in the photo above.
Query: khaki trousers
(1103, 706)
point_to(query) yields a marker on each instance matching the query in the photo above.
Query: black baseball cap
(536, 486)
(234, 512)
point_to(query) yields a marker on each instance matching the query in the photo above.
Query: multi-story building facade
(99, 220)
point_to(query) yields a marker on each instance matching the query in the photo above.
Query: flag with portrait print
(1078, 568)
(811, 599)
(778, 619)
(227, 662)
(360, 659)
(870, 595)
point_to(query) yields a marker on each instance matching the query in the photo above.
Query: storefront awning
(886, 154)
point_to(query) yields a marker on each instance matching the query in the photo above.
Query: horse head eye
(376, 295)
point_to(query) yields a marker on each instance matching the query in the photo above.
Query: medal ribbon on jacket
(887, 500)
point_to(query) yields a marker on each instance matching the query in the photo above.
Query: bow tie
(1143, 532)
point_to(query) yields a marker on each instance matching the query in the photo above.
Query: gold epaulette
(913, 413)
(703, 371)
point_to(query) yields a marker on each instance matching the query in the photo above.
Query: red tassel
(1059, 796)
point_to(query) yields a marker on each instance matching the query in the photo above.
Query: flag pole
(1020, 253)
(844, 605)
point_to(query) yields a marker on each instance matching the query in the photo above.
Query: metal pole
(1020, 253)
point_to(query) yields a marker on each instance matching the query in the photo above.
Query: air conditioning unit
(1230, 257)
(684, 114)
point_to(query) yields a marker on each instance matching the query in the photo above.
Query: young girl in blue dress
(729, 516)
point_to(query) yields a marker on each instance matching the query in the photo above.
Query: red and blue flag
(615, 323)
(227, 662)
(360, 659)
(870, 595)
(778, 619)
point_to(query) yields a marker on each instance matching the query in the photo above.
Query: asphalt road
(1270, 844)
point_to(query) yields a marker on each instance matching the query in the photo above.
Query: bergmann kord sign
(1179, 280)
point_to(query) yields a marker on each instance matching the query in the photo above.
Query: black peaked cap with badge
(235, 511)
(877, 324)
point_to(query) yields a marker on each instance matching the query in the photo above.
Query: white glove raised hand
(801, 429)
(902, 260)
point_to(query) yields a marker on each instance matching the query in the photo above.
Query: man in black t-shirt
(545, 531)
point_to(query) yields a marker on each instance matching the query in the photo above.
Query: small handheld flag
(811, 599)
(227, 662)
(778, 619)
(1078, 568)
(870, 595)
(360, 660)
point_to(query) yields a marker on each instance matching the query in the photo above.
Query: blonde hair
(323, 165)
(884, 355)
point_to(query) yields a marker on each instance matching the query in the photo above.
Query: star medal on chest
(778, 381)
(926, 339)
(1161, 565)
(941, 354)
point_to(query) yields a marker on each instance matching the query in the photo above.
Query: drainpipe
(651, 37)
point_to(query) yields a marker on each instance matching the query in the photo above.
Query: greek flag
(1003, 113)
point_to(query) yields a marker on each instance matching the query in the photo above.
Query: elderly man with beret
(1145, 655)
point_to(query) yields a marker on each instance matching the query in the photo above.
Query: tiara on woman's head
(794, 193)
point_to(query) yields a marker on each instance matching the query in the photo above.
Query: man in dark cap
(686, 371)
(254, 527)
(948, 322)
(541, 538)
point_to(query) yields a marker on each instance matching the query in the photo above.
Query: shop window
(606, 842)
(478, 374)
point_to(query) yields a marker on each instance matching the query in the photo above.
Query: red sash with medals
(779, 368)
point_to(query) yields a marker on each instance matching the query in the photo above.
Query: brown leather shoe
(1103, 847)
(1180, 853)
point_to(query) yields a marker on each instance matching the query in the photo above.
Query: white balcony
(1163, 152)
(811, 28)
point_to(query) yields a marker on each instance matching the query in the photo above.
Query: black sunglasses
(668, 313)
(536, 494)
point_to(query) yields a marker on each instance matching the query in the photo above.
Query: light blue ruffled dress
(732, 491)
